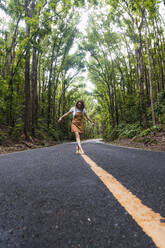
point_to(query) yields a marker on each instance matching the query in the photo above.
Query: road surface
(112, 197)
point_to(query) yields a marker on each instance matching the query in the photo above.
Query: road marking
(152, 223)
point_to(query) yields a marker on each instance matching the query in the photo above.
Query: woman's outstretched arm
(89, 119)
(66, 114)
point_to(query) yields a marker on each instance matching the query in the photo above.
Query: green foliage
(16, 131)
(160, 108)
(3, 136)
(124, 131)
(130, 130)
(157, 128)
(153, 129)
(113, 135)
(145, 132)
(112, 45)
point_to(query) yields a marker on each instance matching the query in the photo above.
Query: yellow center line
(145, 217)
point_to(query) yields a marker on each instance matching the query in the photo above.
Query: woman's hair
(82, 104)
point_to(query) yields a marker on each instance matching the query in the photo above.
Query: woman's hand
(66, 114)
(93, 124)
(60, 119)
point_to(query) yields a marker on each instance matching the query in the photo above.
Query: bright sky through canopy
(84, 14)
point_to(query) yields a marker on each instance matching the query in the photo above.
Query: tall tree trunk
(64, 98)
(146, 81)
(155, 75)
(150, 73)
(142, 100)
(42, 92)
(120, 105)
(111, 106)
(54, 100)
(11, 115)
(115, 96)
(27, 78)
(9, 66)
(161, 61)
(50, 84)
(160, 66)
(29, 10)
(122, 83)
(130, 78)
(137, 69)
(34, 91)
(39, 79)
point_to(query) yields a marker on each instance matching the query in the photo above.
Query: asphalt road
(50, 197)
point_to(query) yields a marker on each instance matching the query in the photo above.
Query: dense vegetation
(126, 43)
(41, 77)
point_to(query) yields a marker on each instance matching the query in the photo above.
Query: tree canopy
(45, 61)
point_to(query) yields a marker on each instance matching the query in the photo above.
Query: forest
(47, 63)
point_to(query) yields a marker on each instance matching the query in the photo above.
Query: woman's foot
(77, 150)
(81, 152)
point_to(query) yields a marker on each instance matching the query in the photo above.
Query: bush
(123, 131)
(15, 132)
(145, 132)
(40, 134)
(160, 108)
(130, 130)
(157, 128)
(3, 137)
(114, 134)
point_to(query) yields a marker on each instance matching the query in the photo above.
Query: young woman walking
(78, 112)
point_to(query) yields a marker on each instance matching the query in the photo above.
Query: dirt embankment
(153, 141)
(9, 146)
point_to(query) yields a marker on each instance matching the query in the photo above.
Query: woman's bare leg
(78, 142)
(77, 148)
